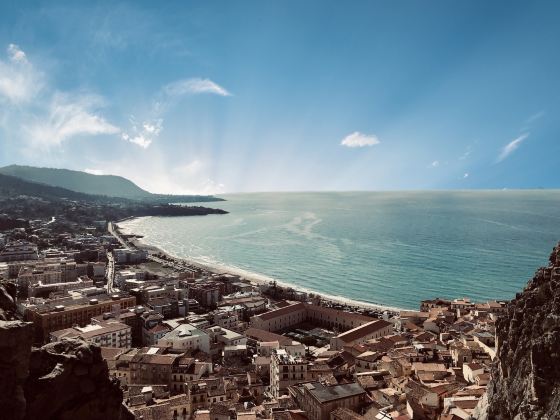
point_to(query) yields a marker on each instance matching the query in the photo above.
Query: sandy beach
(254, 278)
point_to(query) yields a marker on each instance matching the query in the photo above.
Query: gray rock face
(69, 380)
(15, 349)
(526, 376)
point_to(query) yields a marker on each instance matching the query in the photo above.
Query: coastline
(253, 278)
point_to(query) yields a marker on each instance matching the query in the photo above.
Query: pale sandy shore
(255, 278)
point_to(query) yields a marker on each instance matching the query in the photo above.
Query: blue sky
(209, 97)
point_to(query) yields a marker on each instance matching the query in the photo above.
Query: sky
(218, 97)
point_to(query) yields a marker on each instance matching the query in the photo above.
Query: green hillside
(107, 185)
(11, 187)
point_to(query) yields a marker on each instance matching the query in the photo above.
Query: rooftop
(183, 332)
(364, 330)
(325, 394)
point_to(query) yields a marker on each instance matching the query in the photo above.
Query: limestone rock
(16, 338)
(526, 374)
(69, 380)
(63, 380)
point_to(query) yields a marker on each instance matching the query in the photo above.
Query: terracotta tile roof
(282, 311)
(363, 330)
(266, 337)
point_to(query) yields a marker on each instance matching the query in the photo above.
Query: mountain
(11, 186)
(21, 199)
(82, 182)
(109, 185)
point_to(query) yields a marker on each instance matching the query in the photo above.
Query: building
(46, 271)
(40, 289)
(105, 334)
(361, 334)
(225, 336)
(52, 315)
(296, 313)
(226, 319)
(152, 328)
(285, 371)
(19, 251)
(186, 337)
(129, 256)
(471, 371)
(319, 400)
(98, 270)
(149, 367)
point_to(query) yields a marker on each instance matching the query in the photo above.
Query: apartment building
(285, 371)
(105, 334)
(52, 315)
(19, 251)
(319, 400)
(186, 337)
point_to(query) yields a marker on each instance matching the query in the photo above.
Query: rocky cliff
(526, 374)
(66, 380)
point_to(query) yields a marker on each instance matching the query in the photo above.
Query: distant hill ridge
(11, 186)
(83, 182)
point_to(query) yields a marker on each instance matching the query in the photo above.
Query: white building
(285, 371)
(129, 256)
(471, 371)
(186, 337)
(228, 337)
(105, 334)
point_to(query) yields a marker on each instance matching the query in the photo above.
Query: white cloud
(466, 175)
(41, 117)
(16, 54)
(139, 140)
(68, 116)
(94, 171)
(19, 81)
(143, 134)
(435, 164)
(536, 116)
(194, 86)
(357, 139)
(153, 128)
(511, 147)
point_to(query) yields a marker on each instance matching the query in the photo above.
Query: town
(188, 343)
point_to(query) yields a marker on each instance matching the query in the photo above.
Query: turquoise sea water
(390, 248)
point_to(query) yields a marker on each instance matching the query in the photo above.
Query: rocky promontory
(526, 374)
(63, 380)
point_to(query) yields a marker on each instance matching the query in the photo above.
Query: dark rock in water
(526, 374)
(63, 380)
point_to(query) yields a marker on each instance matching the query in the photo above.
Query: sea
(386, 248)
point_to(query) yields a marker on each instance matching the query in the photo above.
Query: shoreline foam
(252, 277)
